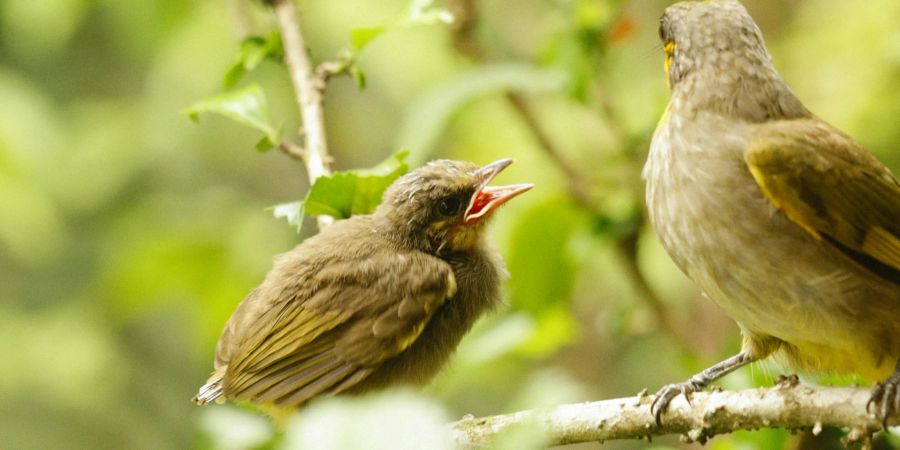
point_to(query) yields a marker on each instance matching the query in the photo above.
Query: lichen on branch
(787, 405)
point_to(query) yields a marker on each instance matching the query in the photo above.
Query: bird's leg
(885, 397)
(696, 383)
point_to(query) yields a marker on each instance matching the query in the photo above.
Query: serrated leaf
(343, 194)
(246, 106)
(361, 36)
(292, 212)
(252, 52)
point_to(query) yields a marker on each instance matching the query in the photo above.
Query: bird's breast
(479, 275)
(762, 269)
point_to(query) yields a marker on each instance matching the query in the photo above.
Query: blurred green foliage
(128, 234)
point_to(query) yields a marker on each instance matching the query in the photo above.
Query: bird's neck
(752, 94)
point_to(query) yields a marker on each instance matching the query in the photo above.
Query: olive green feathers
(833, 188)
(789, 225)
(370, 301)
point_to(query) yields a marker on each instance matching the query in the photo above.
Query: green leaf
(419, 12)
(252, 52)
(361, 36)
(292, 212)
(264, 144)
(246, 106)
(343, 194)
(358, 76)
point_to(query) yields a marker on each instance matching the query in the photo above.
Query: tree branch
(309, 86)
(578, 184)
(787, 405)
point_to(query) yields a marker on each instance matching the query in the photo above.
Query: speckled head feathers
(716, 59)
(410, 205)
(717, 34)
(435, 179)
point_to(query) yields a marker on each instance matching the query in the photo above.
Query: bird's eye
(448, 206)
(663, 30)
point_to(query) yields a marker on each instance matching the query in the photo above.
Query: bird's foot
(668, 393)
(885, 399)
(695, 383)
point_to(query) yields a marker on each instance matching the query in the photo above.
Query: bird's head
(444, 205)
(716, 60)
(711, 34)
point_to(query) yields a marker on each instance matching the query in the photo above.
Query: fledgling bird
(370, 301)
(783, 220)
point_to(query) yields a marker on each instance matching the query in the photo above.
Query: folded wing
(833, 188)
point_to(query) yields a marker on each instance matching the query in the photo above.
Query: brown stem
(466, 43)
(293, 150)
(578, 185)
(309, 88)
(627, 245)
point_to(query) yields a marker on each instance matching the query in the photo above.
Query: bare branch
(579, 186)
(340, 65)
(786, 405)
(293, 150)
(309, 88)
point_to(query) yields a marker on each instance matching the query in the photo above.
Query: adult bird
(784, 221)
(370, 301)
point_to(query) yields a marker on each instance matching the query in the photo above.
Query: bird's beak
(488, 198)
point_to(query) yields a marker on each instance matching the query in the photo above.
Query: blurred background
(128, 234)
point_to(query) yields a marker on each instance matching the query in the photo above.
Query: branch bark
(787, 405)
(309, 87)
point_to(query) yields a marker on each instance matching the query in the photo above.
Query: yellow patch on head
(669, 48)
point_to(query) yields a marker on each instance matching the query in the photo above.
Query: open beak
(488, 198)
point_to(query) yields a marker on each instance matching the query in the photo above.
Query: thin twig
(627, 246)
(578, 185)
(293, 150)
(465, 41)
(309, 89)
(786, 405)
(340, 65)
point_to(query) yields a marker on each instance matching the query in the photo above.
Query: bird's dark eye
(664, 31)
(448, 206)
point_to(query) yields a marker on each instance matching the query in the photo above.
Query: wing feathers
(339, 324)
(833, 188)
(883, 245)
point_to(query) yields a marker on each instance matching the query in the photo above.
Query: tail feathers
(212, 390)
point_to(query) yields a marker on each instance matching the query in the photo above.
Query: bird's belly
(775, 280)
